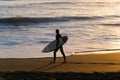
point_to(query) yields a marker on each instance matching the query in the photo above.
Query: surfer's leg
(62, 51)
(55, 54)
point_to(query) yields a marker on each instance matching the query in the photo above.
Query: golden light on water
(90, 24)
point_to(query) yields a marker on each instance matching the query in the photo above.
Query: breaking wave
(13, 20)
(18, 21)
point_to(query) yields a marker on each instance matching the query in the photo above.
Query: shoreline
(108, 51)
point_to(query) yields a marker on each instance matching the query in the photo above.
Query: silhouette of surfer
(58, 36)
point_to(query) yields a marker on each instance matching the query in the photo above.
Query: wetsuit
(61, 48)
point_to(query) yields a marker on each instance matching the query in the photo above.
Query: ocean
(27, 26)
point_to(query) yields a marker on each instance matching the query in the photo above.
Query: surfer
(58, 36)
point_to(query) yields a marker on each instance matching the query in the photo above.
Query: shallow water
(27, 26)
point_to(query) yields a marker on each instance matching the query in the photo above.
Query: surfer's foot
(52, 62)
(64, 62)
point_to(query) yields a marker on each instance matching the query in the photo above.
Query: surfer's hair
(57, 31)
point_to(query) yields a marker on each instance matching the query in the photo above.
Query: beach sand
(75, 63)
(78, 67)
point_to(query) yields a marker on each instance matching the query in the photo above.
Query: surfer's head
(57, 31)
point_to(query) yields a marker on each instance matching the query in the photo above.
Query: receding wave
(111, 24)
(99, 50)
(24, 20)
(59, 3)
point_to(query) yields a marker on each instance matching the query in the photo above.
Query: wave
(103, 50)
(58, 3)
(111, 24)
(98, 3)
(14, 20)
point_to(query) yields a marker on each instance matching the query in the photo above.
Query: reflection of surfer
(58, 37)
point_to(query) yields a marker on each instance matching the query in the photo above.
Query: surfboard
(52, 45)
